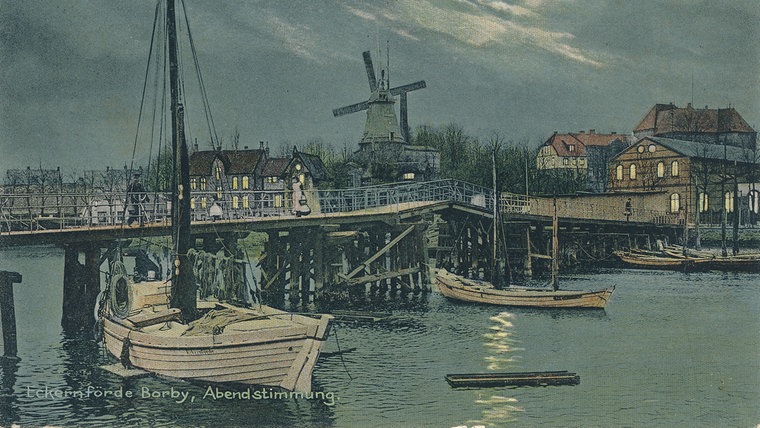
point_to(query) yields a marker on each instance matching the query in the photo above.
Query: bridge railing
(346, 200)
(569, 207)
(83, 210)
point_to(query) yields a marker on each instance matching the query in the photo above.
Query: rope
(340, 353)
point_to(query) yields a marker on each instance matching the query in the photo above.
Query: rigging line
(145, 85)
(158, 74)
(204, 96)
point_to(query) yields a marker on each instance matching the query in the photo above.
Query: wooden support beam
(8, 312)
(382, 276)
(378, 254)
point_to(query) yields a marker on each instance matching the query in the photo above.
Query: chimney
(261, 145)
(245, 147)
(688, 105)
(591, 131)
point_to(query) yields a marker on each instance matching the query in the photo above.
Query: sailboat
(162, 327)
(470, 290)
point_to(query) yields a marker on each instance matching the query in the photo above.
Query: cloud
(483, 24)
(297, 39)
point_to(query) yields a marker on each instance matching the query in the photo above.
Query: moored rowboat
(469, 290)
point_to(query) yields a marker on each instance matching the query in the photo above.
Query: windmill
(381, 118)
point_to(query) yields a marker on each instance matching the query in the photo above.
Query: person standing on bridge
(628, 209)
(136, 197)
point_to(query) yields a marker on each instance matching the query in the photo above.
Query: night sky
(72, 70)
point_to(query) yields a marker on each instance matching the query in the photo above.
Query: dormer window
(571, 147)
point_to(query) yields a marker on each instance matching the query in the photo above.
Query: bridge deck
(22, 221)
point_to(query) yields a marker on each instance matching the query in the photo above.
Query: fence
(70, 210)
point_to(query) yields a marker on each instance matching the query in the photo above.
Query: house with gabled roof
(581, 153)
(711, 126)
(248, 182)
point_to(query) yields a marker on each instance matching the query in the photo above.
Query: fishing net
(219, 277)
(216, 320)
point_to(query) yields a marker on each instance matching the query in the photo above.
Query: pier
(377, 240)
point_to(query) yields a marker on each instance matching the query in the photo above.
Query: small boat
(647, 261)
(693, 261)
(470, 290)
(161, 327)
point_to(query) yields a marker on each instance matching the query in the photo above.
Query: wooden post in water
(8, 312)
(81, 285)
(555, 247)
(528, 267)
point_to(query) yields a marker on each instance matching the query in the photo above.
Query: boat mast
(555, 247)
(183, 294)
(494, 263)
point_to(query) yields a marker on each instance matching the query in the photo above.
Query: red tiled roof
(562, 143)
(666, 118)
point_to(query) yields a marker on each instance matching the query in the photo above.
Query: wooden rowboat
(469, 290)
(679, 262)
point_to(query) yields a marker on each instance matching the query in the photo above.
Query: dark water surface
(670, 350)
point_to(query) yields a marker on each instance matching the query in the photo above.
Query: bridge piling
(81, 285)
(8, 312)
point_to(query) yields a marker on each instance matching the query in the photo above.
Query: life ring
(119, 299)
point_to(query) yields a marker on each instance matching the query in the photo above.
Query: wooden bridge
(33, 218)
(373, 240)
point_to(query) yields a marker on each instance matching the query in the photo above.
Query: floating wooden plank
(119, 370)
(513, 379)
(352, 315)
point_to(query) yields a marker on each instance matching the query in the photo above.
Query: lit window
(218, 192)
(571, 148)
(674, 168)
(675, 202)
(192, 203)
(277, 201)
(619, 172)
(409, 176)
(245, 182)
(632, 172)
(203, 183)
(640, 149)
(193, 184)
(234, 183)
(235, 202)
(203, 203)
(660, 170)
(704, 202)
(729, 201)
(245, 202)
(218, 174)
(754, 201)
(565, 161)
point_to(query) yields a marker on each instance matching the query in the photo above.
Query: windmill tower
(381, 125)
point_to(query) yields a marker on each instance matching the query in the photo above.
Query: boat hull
(679, 262)
(458, 288)
(282, 356)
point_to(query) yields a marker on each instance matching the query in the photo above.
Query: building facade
(248, 183)
(699, 179)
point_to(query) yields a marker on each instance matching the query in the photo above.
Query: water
(670, 350)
